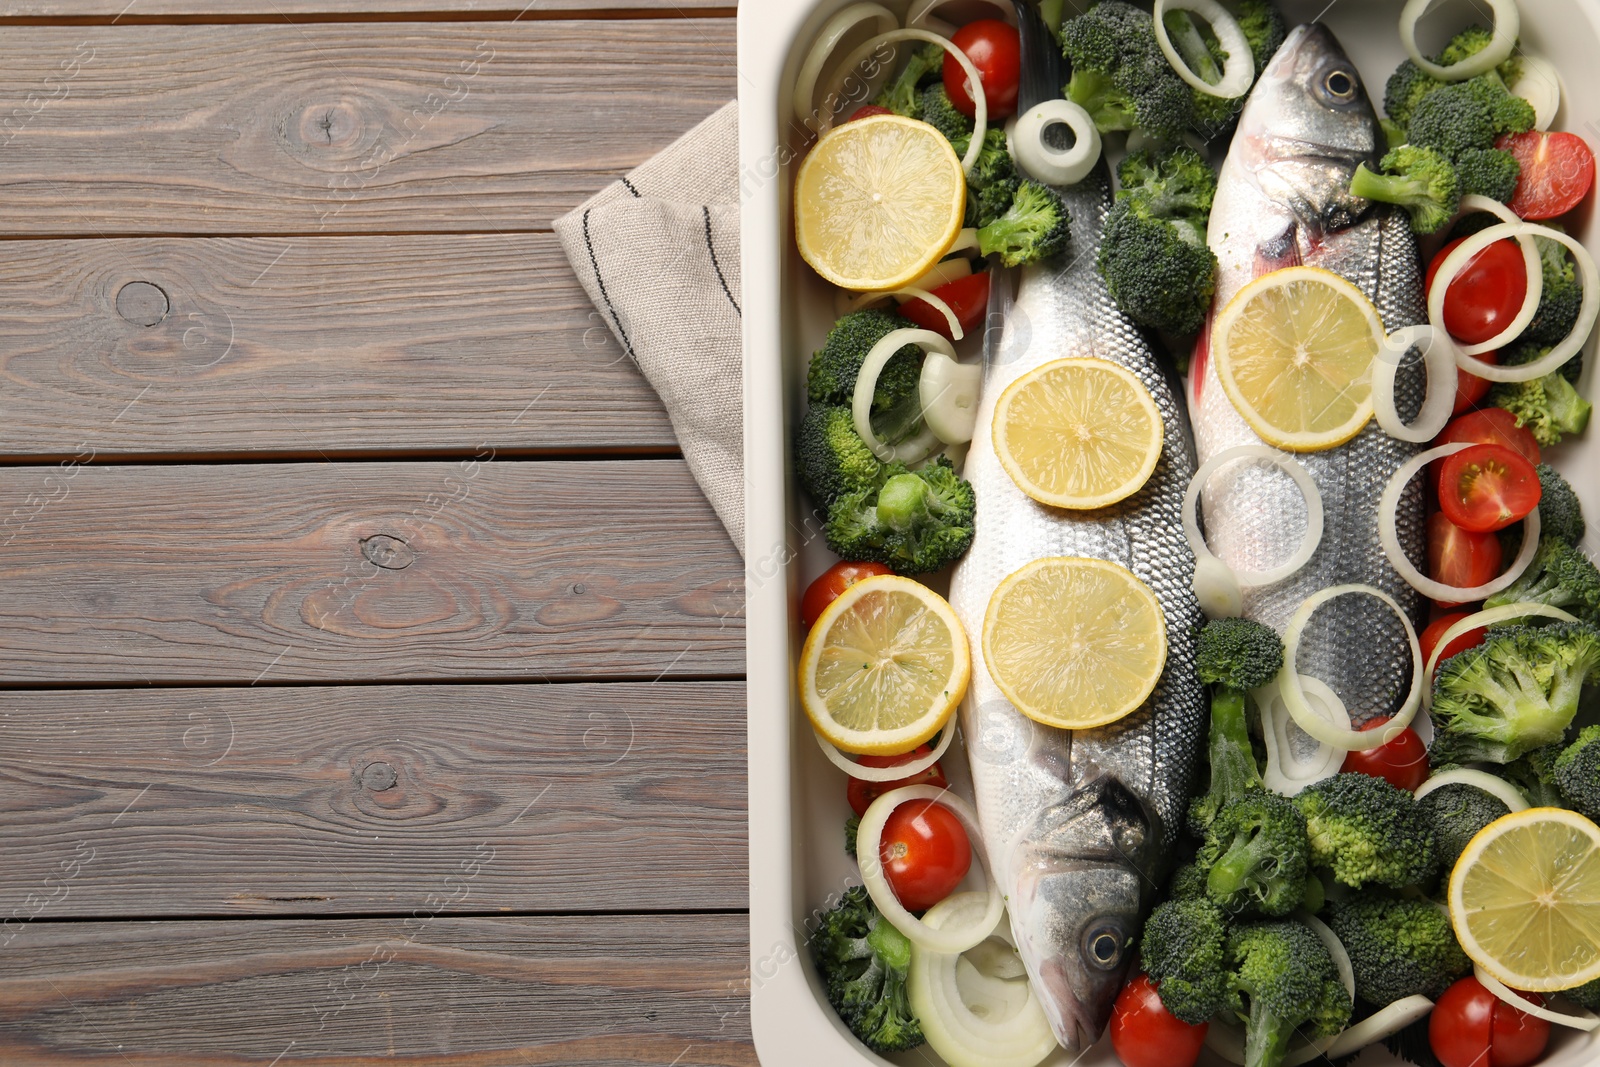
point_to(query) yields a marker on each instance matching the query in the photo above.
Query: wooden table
(370, 665)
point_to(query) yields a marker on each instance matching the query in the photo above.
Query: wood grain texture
(370, 571)
(661, 990)
(318, 129)
(311, 347)
(135, 11)
(371, 799)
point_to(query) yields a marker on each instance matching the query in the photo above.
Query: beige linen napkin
(658, 253)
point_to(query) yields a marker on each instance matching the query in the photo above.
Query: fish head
(1083, 875)
(1306, 127)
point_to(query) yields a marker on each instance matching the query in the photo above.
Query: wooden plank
(662, 990)
(135, 11)
(314, 129)
(371, 799)
(371, 571)
(311, 347)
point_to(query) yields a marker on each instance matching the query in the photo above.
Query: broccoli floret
(835, 366)
(1550, 407)
(1161, 274)
(1182, 951)
(992, 185)
(1256, 854)
(1515, 692)
(1036, 226)
(1488, 172)
(1585, 996)
(941, 114)
(1418, 179)
(1233, 656)
(1283, 982)
(1398, 947)
(1474, 39)
(863, 962)
(1365, 830)
(852, 827)
(1409, 84)
(1577, 773)
(1187, 881)
(1560, 514)
(1405, 89)
(830, 456)
(919, 521)
(1560, 576)
(1559, 300)
(1458, 812)
(1121, 77)
(1176, 183)
(1469, 114)
(903, 96)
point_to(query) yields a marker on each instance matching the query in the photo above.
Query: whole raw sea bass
(1283, 199)
(1076, 823)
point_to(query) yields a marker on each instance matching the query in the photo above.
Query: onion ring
(869, 836)
(1497, 787)
(1452, 265)
(1382, 1023)
(833, 31)
(1217, 588)
(1275, 718)
(925, 443)
(1294, 697)
(1488, 617)
(1587, 1021)
(1540, 85)
(1439, 355)
(948, 392)
(1507, 25)
(1389, 537)
(889, 774)
(1055, 166)
(974, 83)
(920, 14)
(912, 292)
(1308, 489)
(1238, 72)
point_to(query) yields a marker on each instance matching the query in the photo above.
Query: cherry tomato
(1486, 293)
(1430, 637)
(968, 297)
(1487, 488)
(1557, 171)
(1471, 1027)
(1403, 762)
(1471, 389)
(835, 580)
(862, 794)
(996, 50)
(1145, 1034)
(925, 853)
(1491, 426)
(1456, 557)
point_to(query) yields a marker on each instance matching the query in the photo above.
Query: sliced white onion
(1285, 774)
(1217, 588)
(1507, 25)
(1043, 161)
(920, 12)
(972, 1018)
(1540, 85)
(1587, 1021)
(889, 774)
(925, 443)
(1495, 786)
(1386, 1021)
(949, 394)
(974, 82)
(1330, 941)
(943, 273)
(1238, 72)
(1389, 536)
(1439, 356)
(1458, 259)
(1488, 617)
(1290, 466)
(966, 242)
(911, 292)
(1570, 345)
(834, 30)
(869, 836)
(1294, 694)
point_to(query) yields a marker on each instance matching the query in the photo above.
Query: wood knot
(378, 777)
(143, 303)
(390, 553)
(336, 125)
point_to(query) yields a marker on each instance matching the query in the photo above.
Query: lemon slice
(1074, 642)
(884, 666)
(1078, 433)
(878, 201)
(1294, 351)
(1525, 899)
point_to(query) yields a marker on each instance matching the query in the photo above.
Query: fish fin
(1201, 355)
(1279, 252)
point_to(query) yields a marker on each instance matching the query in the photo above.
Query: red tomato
(862, 794)
(925, 853)
(996, 50)
(835, 580)
(968, 297)
(1403, 762)
(1456, 557)
(1486, 488)
(866, 111)
(1471, 389)
(1430, 637)
(1486, 294)
(1491, 426)
(1145, 1034)
(1557, 171)
(1471, 1027)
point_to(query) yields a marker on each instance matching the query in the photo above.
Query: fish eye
(1103, 946)
(1340, 84)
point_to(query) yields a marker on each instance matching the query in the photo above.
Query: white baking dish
(797, 805)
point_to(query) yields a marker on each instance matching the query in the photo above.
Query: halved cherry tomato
(1430, 637)
(996, 50)
(1491, 426)
(1456, 557)
(866, 111)
(1486, 294)
(834, 581)
(1471, 1027)
(1487, 488)
(1471, 389)
(925, 853)
(1145, 1034)
(968, 298)
(862, 794)
(1402, 762)
(1557, 171)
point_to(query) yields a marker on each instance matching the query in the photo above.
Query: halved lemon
(1078, 433)
(1294, 350)
(878, 201)
(1074, 642)
(1525, 899)
(884, 667)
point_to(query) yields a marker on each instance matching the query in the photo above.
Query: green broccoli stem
(1266, 1037)
(1246, 867)
(893, 947)
(1110, 108)
(1233, 766)
(904, 502)
(1387, 188)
